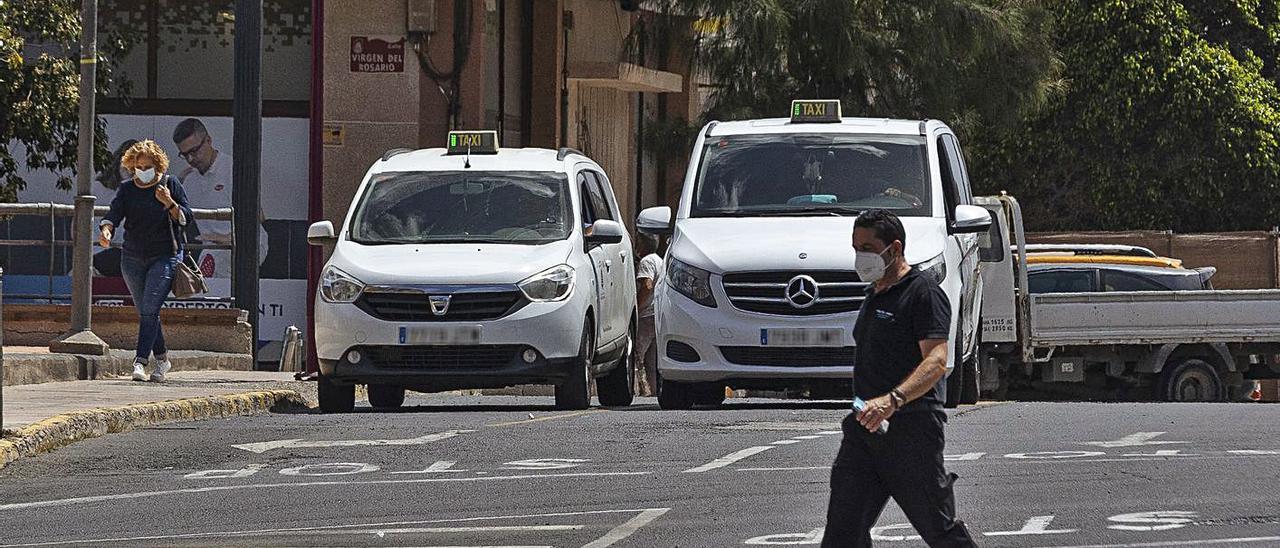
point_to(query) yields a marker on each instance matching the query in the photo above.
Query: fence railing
(53, 242)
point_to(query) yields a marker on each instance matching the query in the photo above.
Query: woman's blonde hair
(146, 148)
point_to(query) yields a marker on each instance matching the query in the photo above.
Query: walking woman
(152, 205)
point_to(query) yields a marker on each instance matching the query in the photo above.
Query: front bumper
(717, 334)
(446, 368)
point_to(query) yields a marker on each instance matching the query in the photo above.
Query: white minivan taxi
(475, 266)
(760, 290)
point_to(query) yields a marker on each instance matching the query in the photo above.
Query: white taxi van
(760, 290)
(473, 266)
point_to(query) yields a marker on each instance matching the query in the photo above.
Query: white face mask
(145, 176)
(870, 266)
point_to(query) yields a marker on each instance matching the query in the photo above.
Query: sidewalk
(35, 364)
(42, 417)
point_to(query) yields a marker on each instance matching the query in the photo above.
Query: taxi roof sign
(815, 111)
(472, 142)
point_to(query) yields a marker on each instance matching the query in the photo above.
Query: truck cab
(760, 290)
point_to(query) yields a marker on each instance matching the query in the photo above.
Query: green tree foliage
(39, 89)
(967, 61)
(1171, 120)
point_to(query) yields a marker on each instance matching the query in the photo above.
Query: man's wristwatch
(899, 400)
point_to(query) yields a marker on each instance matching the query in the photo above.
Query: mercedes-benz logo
(802, 291)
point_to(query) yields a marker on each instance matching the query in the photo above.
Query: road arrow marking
(264, 446)
(1134, 440)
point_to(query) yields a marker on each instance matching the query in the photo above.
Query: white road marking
(1038, 525)
(811, 537)
(543, 464)
(877, 533)
(784, 469)
(806, 437)
(227, 474)
(455, 530)
(627, 529)
(1161, 453)
(963, 457)
(437, 467)
(1253, 452)
(1055, 455)
(321, 529)
(830, 432)
(264, 446)
(1161, 520)
(214, 489)
(1238, 540)
(1134, 440)
(330, 469)
(729, 459)
(786, 442)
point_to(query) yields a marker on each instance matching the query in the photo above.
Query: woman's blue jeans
(149, 280)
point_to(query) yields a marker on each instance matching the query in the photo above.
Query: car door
(597, 256)
(615, 260)
(956, 191)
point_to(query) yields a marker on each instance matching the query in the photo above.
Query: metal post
(1, 352)
(80, 339)
(247, 148)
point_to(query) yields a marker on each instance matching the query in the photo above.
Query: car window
(1114, 280)
(964, 190)
(950, 177)
(599, 204)
(1060, 281)
(584, 195)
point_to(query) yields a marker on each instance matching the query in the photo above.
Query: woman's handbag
(188, 281)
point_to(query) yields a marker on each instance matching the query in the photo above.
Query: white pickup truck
(1162, 345)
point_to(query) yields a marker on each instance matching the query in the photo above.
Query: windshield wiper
(809, 211)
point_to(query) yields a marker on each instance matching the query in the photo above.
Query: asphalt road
(499, 471)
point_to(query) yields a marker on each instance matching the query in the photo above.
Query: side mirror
(321, 233)
(971, 219)
(654, 220)
(604, 231)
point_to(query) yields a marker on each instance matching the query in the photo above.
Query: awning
(625, 77)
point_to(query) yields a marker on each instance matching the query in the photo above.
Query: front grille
(463, 307)
(682, 352)
(444, 357)
(789, 356)
(766, 292)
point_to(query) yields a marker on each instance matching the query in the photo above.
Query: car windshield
(462, 207)
(812, 174)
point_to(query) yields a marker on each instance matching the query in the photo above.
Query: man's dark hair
(187, 128)
(886, 226)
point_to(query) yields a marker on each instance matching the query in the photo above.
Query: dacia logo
(440, 304)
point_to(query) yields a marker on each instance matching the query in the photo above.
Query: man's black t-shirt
(888, 332)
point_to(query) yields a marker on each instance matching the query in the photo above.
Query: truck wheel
(971, 382)
(674, 395)
(617, 389)
(1191, 380)
(335, 398)
(955, 380)
(386, 396)
(710, 395)
(575, 392)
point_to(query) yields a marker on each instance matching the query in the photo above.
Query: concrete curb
(55, 432)
(21, 369)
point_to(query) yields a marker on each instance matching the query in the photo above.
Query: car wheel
(674, 395)
(386, 396)
(617, 388)
(335, 398)
(575, 392)
(1191, 380)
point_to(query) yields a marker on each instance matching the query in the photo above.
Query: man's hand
(878, 410)
(104, 236)
(164, 197)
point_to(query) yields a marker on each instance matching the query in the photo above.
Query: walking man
(901, 337)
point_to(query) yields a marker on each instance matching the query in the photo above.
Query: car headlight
(935, 268)
(552, 284)
(690, 281)
(337, 286)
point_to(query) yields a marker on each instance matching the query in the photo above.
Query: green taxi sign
(815, 110)
(473, 142)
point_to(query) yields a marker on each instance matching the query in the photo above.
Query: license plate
(802, 337)
(440, 335)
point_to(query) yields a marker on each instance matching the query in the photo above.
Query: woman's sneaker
(138, 373)
(161, 369)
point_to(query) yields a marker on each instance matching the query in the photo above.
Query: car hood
(777, 243)
(447, 263)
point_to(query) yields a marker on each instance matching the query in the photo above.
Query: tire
(617, 388)
(710, 395)
(674, 395)
(955, 379)
(386, 396)
(575, 392)
(335, 398)
(1191, 380)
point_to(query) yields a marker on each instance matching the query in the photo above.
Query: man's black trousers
(905, 463)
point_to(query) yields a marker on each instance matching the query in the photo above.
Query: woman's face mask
(869, 265)
(145, 176)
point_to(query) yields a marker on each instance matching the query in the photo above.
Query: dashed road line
(1238, 540)
(729, 459)
(627, 529)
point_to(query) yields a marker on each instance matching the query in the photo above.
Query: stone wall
(212, 330)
